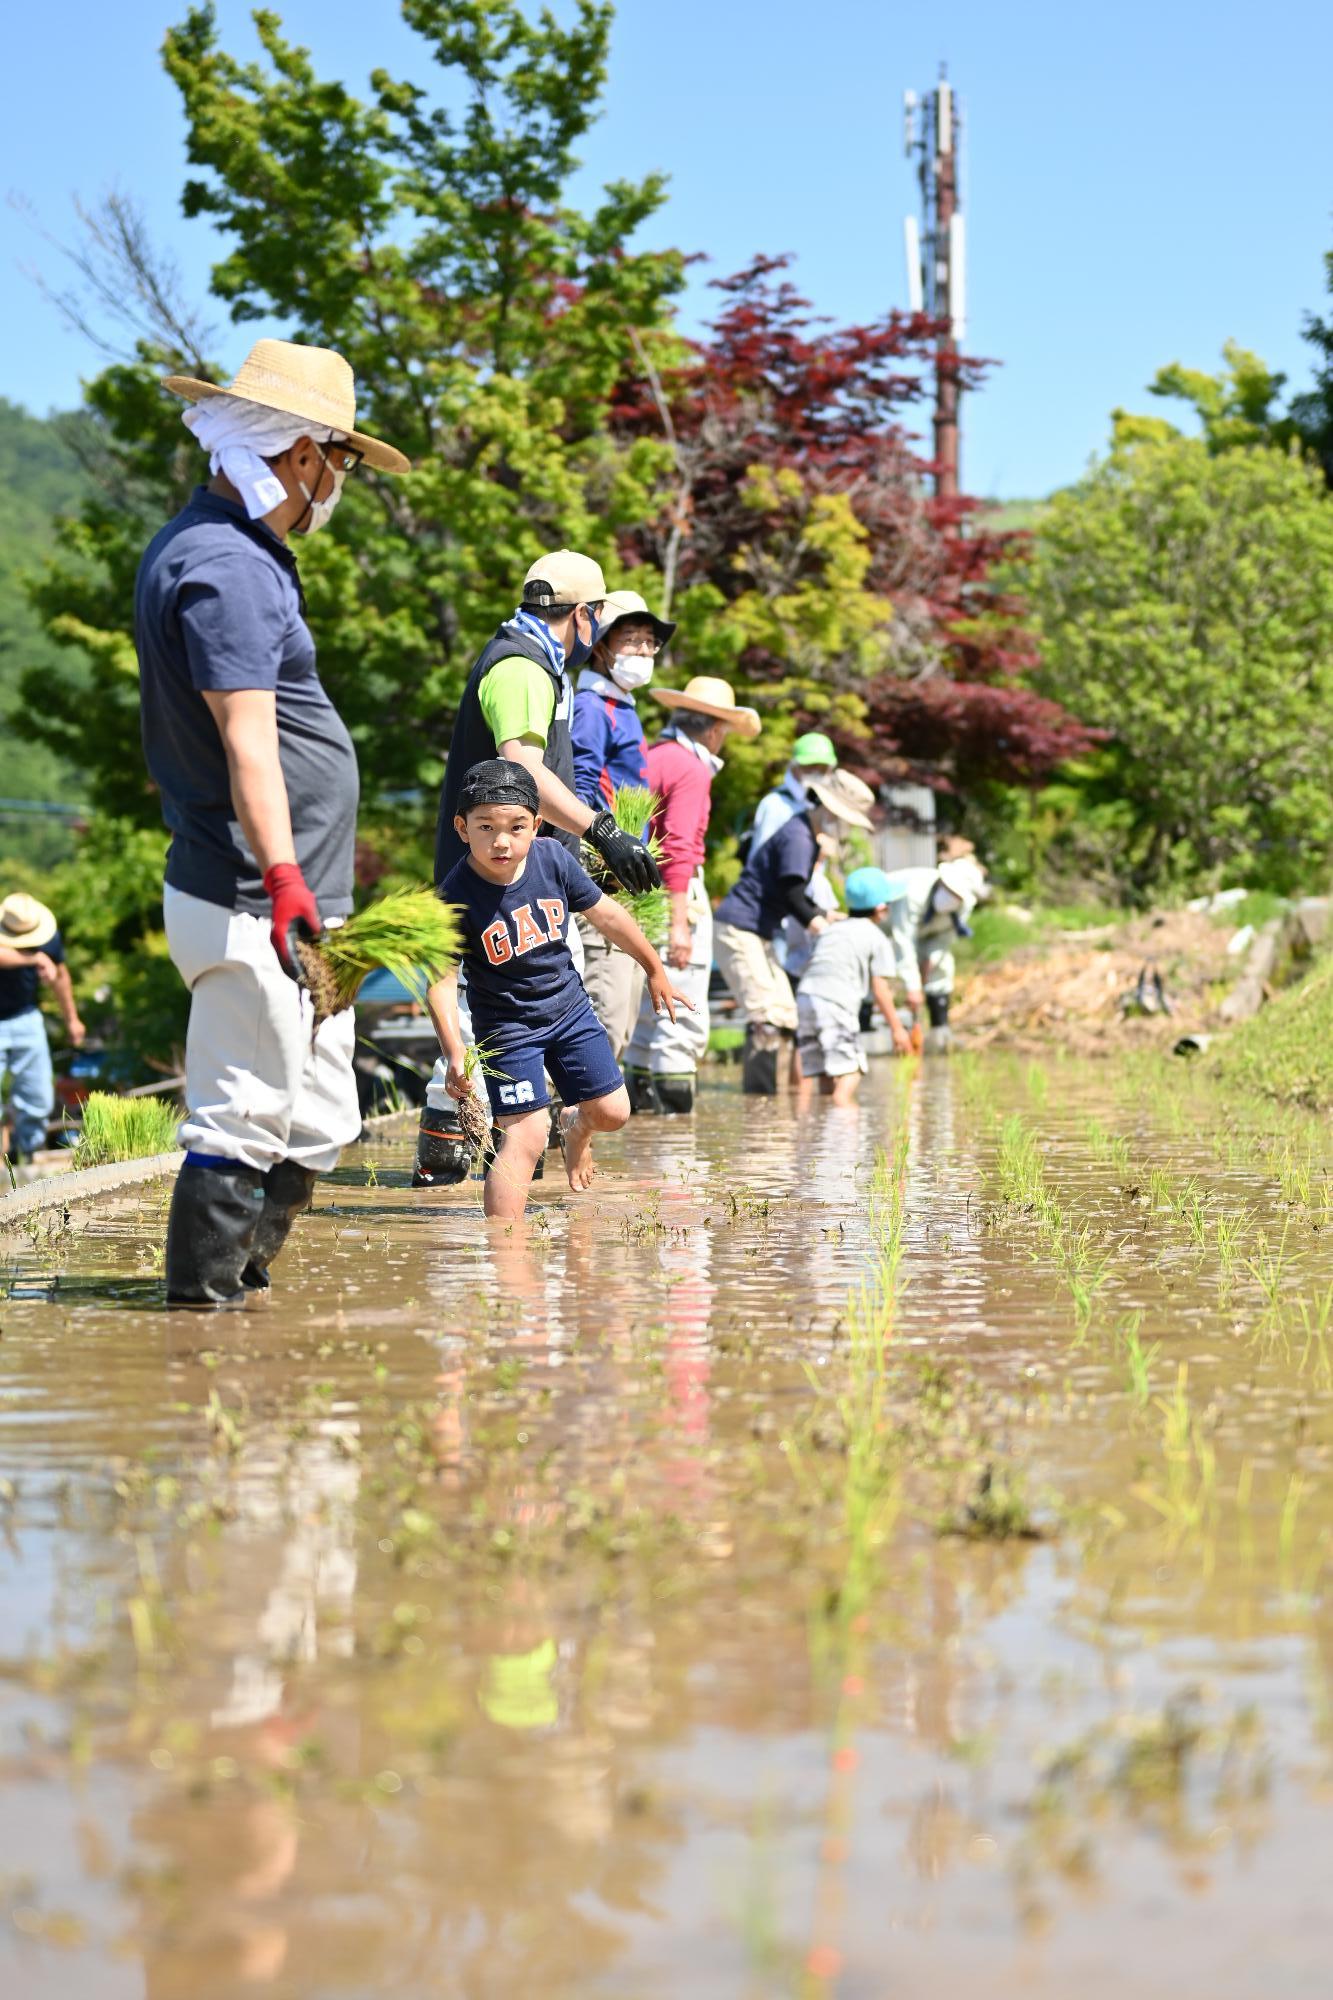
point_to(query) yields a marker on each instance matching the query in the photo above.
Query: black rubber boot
(759, 1068)
(937, 1009)
(642, 1086)
(215, 1212)
(676, 1093)
(444, 1156)
(287, 1191)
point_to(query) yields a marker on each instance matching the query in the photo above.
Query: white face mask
(630, 671)
(321, 511)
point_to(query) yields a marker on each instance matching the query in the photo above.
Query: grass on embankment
(1286, 1051)
(125, 1128)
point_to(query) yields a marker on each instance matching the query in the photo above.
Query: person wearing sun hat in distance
(811, 755)
(32, 955)
(775, 884)
(259, 787)
(610, 752)
(662, 1057)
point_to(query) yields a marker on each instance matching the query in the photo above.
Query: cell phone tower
(936, 256)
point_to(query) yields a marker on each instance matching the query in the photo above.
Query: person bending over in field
(530, 1014)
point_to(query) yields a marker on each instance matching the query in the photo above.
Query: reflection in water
(466, 1621)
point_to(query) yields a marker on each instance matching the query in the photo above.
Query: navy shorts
(576, 1053)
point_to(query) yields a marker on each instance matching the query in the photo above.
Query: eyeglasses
(342, 457)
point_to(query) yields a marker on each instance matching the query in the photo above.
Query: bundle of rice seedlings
(409, 933)
(125, 1128)
(471, 1116)
(632, 808)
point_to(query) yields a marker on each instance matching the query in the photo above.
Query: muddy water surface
(775, 1575)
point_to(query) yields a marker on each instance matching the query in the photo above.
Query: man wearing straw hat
(775, 884)
(32, 955)
(662, 1060)
(259, 786)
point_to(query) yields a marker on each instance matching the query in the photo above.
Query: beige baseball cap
(562, 578)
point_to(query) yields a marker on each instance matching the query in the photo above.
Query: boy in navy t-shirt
(515, 896)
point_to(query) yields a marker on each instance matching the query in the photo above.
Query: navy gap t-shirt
(521, 975)
(758, 901)
(521, 980)
(218, 605)
(20, 984)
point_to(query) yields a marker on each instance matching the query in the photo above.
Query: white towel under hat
(239, 435)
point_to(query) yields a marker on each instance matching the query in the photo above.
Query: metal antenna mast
(936, 256)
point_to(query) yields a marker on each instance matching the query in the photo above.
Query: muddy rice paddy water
(859, 1553)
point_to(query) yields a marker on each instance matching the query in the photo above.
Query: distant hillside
(1007, 516)
(39, 478)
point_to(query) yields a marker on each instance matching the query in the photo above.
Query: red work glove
(295, 914)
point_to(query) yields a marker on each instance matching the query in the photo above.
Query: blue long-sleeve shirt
(609, 746)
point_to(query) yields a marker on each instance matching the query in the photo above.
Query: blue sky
(1143, 181)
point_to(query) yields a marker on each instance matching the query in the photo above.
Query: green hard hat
(813, 748)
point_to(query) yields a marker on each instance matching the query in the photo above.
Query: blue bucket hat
(867, 888)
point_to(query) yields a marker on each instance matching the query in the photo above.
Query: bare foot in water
(577, 1140)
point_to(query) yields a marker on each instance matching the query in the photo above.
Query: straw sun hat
(707, 696)
(25, 924)
(310, 382)
(843, 795)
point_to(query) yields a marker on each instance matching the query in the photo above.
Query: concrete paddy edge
(84, 1183)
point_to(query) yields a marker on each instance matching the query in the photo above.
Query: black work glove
(627, 857)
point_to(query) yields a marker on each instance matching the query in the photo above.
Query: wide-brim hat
(964, 877)
(622, 604)
(844, 796)
(707, 695)
(311, 383)
(26, 924)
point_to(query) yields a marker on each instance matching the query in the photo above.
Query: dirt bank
(1078, 986)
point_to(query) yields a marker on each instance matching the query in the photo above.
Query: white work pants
(676, 1048)
(258, 1088)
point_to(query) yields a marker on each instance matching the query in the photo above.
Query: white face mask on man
(630, 671)
(320, 511)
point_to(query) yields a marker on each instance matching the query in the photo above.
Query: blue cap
(867, 888)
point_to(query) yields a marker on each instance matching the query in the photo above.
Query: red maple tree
(773, 385)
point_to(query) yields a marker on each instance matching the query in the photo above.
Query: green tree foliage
(486, 320)
(1236, 406)
(40, 478)
(1184, 598)
(1313, 411)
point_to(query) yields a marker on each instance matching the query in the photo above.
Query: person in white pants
(662, 1057)
(259, 786)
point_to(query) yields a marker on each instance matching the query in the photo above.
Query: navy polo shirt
(218, 605)
(20, 984)
(786, 860)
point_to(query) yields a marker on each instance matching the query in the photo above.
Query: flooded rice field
(870, 1552)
